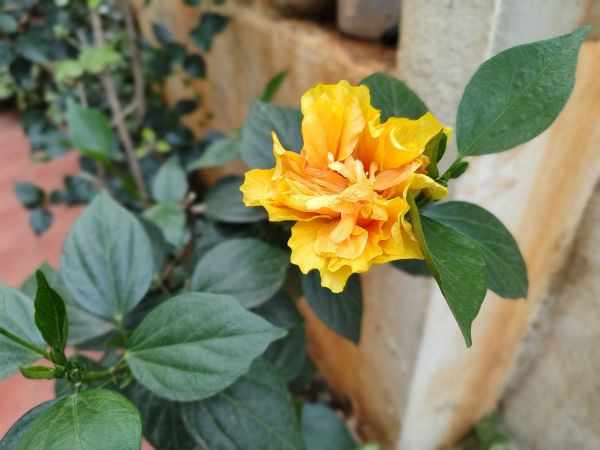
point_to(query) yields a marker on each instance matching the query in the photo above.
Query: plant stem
(111, 371)
(117, 113)
(415, 221)
(139, 98)
(24, 343)
(80, 88)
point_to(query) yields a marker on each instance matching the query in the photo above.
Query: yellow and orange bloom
(347, 188)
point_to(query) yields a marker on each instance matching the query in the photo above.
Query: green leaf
(82, 324)
(273, 86)
(7, 56)
(210, 25)
(217, 153)
(195, 345)
(434, 150)
(170, 219)
(289, 354)
(93, 419)
(323, 429)
(162, 420)
(38, 372)
(50, 315)
(95, 60)
(170, 183)
(28, 194)
(16, 316)
(195, 66)
(504, 265)
(247, 269)
(393, 98)
(68, 70)
(160, 247)
(107, 259)
(456, 169)
(161, 34)
(32, 47)
(458, 265)
(40, 220)
(224, 203)
(89, 131)
(8, 23)
(257, 142)
(280, 311)
(517, 94)
(341, 312)
(256, 412)
(416, 267)
(14, 435)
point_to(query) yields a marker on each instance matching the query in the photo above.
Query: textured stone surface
(539, 191)
(552, 401)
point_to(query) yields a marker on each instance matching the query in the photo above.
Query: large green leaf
(322, 429)
(248, 269)
(257, 142)
(257, 412)
(170, 183)
(517, 94)
(14, 435)
(83, 325)
(341, 312)
(170, 220)
(160, 247)
(16, 317)
(224, 203)
(162, 420)
(89, 131)
(393, 98)
(107, 259)
(504, 265)
(195, 345)
(289, 354)
(217, 153)
(280, 311)
(458, 265)
(50, 314)
(92, 419)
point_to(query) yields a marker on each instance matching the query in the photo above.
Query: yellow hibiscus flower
(347, 188)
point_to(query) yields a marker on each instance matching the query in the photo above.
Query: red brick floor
(21, 251)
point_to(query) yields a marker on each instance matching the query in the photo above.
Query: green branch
(415, 221)
(25, 343)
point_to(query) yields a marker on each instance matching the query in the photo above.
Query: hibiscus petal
(334, 117)
(256, 186)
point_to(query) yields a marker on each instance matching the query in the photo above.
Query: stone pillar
(442, 43)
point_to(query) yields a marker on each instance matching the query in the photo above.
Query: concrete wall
(552, 400)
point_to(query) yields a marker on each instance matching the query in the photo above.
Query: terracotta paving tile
(21, 251)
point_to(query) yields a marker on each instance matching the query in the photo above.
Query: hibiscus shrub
(73, 65)
(188, 305)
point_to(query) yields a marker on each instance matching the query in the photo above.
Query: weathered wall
(553, 398)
